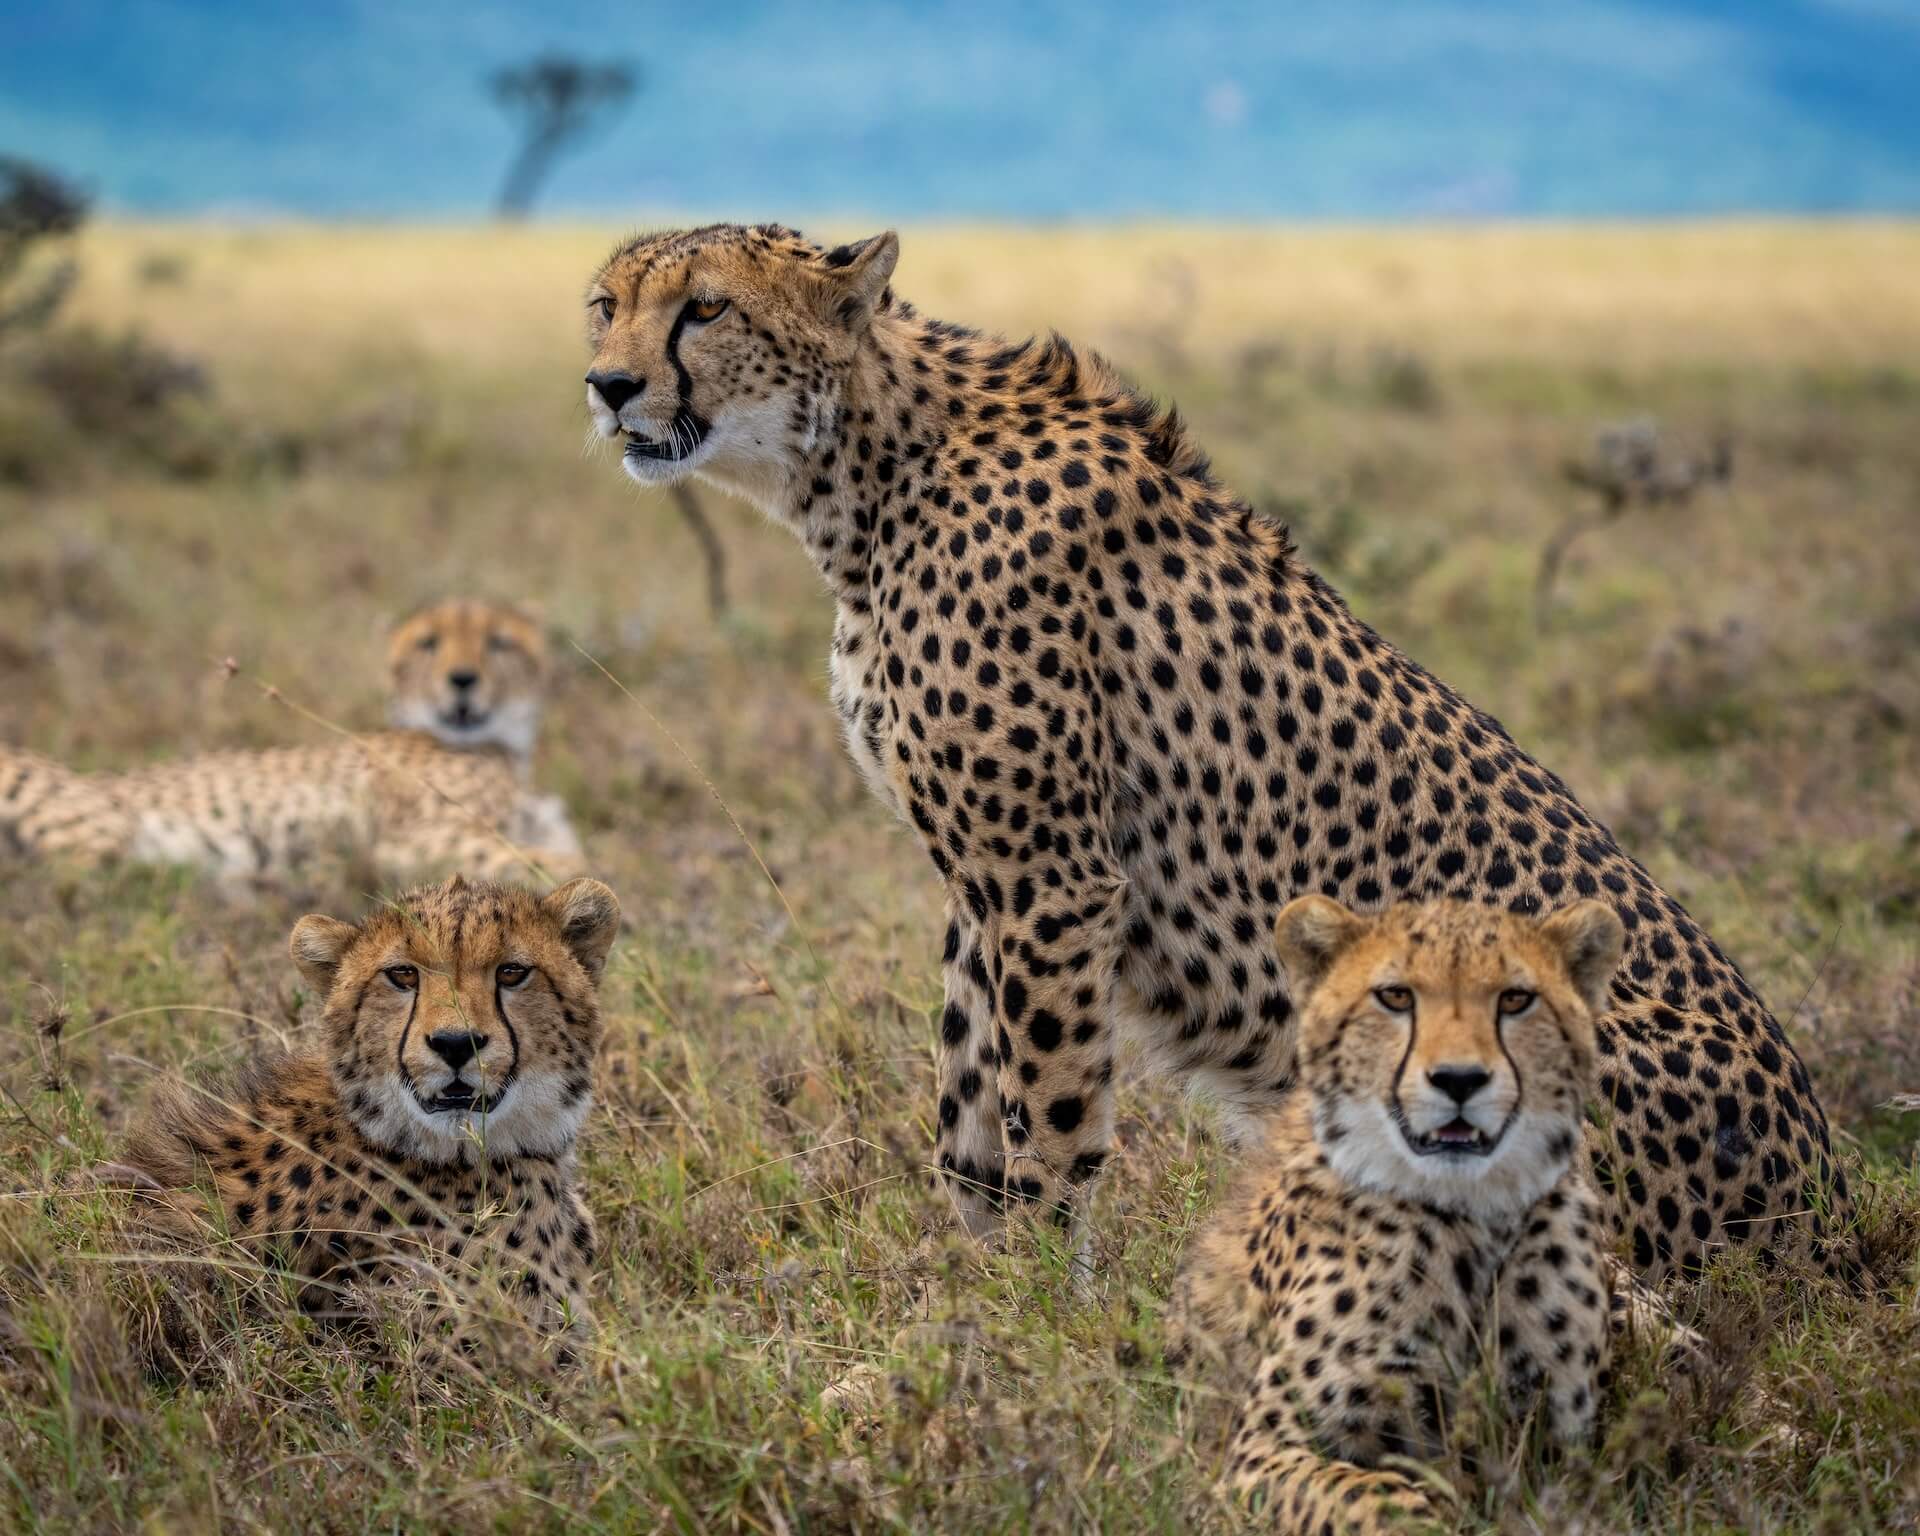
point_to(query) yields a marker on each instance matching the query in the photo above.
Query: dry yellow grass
(1825, 296)
(396, 413)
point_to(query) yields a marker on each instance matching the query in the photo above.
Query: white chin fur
(514, 725)
(748, 451)
(1364, 1145)
(532, 1119)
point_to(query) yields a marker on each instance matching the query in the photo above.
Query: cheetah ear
(317, 945)
(1590, 935)
(857, 277)
(1310, 934)
(589, 917)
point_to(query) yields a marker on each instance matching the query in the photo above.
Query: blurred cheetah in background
(445, 789)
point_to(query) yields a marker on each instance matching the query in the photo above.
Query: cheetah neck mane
(1032, 435)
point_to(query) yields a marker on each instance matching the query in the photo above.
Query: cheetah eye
(1516, 1000)
(499, 643)
(511, 975)
(1394, 999)
(427, 642)
(603, 307)
(704, 310)
(405, 977)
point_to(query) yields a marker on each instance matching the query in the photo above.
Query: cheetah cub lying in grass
(1422, 1199)
(431, 1138)
(445, 789)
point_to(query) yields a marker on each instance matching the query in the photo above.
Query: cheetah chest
(859, 698)
(524, 1219)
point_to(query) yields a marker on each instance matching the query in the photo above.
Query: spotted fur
(1420, 1206)
(447, 789)
(430, 1139)
(1129, 724)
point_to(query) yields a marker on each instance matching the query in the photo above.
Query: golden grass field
(396, 414)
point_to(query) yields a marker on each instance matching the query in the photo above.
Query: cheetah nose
(615, 388)
(456, 1047)
(462, 681)
(1459, 1083)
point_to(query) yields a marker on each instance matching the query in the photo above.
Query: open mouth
(463, 717)
(461, 1098)
(685, 433)
(1454, 1139)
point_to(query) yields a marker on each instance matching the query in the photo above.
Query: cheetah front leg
(968, 1141)
(1310, 1493)
(1051, 956)
(1272, 1458)
(1638, 1311)
(1553, 1309)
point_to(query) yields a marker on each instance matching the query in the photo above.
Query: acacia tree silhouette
(556, 99)
(36, 208)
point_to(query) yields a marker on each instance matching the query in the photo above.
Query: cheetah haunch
(1421, 1203)
(445, 789)
(1129, 724)
(431, 1139)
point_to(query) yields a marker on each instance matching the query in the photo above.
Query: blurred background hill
(987, 108)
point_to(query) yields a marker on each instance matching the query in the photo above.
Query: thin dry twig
(711, 549)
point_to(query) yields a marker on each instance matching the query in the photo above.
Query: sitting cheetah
(433, 1133)
(1423, 1197)
(1129, 724)
(445, 789)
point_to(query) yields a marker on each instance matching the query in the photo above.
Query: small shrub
(162, 269)
(1402, 380)
(35, 207)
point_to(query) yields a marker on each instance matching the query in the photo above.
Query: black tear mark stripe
(1519, 1082)
(513, 1038)
(683, 380)
(400, 1051)
(1500, 1039)
(1400, 1072)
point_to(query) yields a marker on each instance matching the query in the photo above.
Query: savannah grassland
(1731, 684)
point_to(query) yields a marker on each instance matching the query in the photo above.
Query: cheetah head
(723, 351)
(464, 1017)
(1448, 1049)
(471, 673)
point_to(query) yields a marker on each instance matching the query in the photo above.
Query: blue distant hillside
(964, 108)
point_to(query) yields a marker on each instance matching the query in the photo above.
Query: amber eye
(426, 642)
(1516, 1000)
(1394, 999)
(511, 975)
(603, 307)
(405, 977)
(704, 310)
(499, 643)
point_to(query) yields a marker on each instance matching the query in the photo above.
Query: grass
(395, 413)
